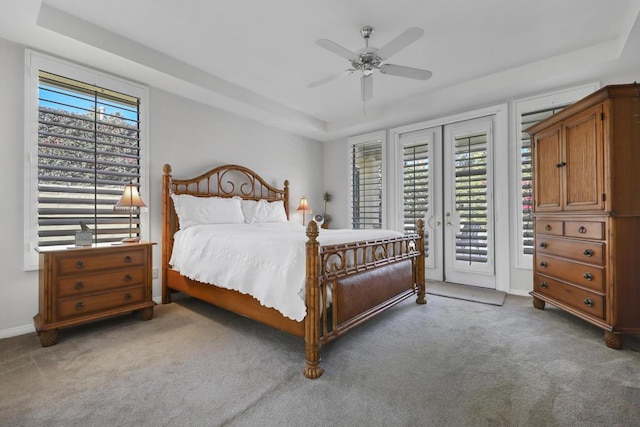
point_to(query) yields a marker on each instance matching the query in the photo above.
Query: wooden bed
(381, 272)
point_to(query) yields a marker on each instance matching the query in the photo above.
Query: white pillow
(261, 211)
(192, 210)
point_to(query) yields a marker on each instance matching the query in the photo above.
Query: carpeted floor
(449, 363)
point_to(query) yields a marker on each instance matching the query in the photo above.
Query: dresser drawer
(584, 275)
(584, 229)
(78, 285)
(552, 227)
(584, 251)
(583, 300)
(84, 262)
(70, 307)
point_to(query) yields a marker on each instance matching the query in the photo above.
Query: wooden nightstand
(82, 284)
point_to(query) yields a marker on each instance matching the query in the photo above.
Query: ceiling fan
(370, 58)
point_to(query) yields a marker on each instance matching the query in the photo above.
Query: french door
(447, 176)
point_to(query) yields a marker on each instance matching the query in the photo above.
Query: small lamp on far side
(304, 208)
(130, 202)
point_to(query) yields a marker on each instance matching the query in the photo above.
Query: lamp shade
(130, 198)
(129, 202)
(303, 206)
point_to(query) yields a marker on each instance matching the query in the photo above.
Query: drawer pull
(127, 278)
(582, 230)
(79, 306)
(127, 259)
(78, 286)
(548, 227)
(588, 276)
(544, 245)
(589, 302)
(127, 296)
(543, 264)
(544, 285)
(588, 252)
(80, 264)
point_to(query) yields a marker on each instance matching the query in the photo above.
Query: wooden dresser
(82, 284)
(586, 180)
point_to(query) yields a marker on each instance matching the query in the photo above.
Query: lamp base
(130, 240)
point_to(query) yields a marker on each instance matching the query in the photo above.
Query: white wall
(190, 136)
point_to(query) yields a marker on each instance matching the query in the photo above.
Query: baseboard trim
(519, 292)
(19, 330)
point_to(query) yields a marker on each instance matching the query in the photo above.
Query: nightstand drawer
(69, 286)
(84, 262)
(584, 275)
(70, 307)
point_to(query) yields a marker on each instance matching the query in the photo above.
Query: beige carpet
(465, 292)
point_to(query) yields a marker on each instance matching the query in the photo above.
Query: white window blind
(416, 170)
(88, 149)
(527, 120)
(471, 198)
(366, 184)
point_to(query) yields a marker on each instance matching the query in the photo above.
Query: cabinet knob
(543, 245)
(127, 296)
(544, 285)
(78, 286)
(582, 230)
(588, 276)
(561, 164)
(589, 302)
(80, 264)
(543, 264)
(548, 227)
(127, 259)
(588, 252)
(127, 278)
(79, 306)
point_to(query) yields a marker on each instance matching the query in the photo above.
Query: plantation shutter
(471, 198)
(415, 165)
(527, 120)
(366, 185)
(88, 149)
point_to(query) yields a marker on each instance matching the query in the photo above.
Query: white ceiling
(256, 57)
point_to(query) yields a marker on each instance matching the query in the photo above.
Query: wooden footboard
(345, 284)
(360, 280)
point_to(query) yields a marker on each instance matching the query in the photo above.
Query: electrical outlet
(154, 273)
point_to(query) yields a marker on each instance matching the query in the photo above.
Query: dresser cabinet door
(583, 155)
(547, 171)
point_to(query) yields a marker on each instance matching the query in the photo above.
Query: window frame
(523, 106)
(34, 62)
(363, 139)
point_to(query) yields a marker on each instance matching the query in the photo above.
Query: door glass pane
(366, 185)
(470, 159)
(416, 187)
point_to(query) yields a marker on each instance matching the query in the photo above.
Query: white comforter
(266, 261)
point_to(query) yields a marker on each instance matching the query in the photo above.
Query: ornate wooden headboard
(222, 181)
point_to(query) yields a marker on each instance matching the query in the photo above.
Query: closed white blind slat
(88, 149)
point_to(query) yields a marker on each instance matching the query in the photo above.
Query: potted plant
(327, 218)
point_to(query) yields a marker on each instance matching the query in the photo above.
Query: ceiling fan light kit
(368, 59)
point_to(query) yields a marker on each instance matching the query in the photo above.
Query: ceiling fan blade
(336, 48)
(366, 86)
(328, 78)
(403, 40)
(402, 71)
